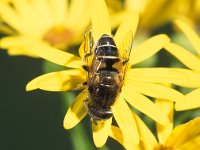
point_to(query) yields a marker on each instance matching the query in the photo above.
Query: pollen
(58, 36)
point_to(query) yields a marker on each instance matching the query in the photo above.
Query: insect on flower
(106, 69)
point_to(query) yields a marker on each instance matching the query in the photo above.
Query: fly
(105, 68)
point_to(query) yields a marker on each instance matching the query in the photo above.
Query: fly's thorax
(106, 47)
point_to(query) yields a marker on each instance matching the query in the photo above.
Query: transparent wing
(125, 51)
(126, 46)
(89, 42)
(88, 49)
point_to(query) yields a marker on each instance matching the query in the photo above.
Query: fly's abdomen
(105, 91)
(105, 94)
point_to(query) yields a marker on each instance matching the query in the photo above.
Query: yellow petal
(157, 91)
(17, 41)
(147, 139)
(6, 29)
(15, 45)
(57, 81)
(148, 48)
(155, 75)
(100, 18)
(191, 78)
(15, 51)
(116, 18)
(182, 77)
(11, 17)
(162, 12)
(100, 132)
(117, 135)
(163, 132)
(76, 111)
(55, 55)
(144, 105)
(193, 144)
(59, 10)
(135, 5)
(29, 16)
(187, 58)
(192, 101)
(190, 34)
(127, 27)
(43, 11)
(184, 133)
(76, 11)
(125, 120)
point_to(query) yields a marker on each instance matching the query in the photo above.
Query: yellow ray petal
(148, 141)
(59, 10)
(155, 75)
(116, 18)
(23, 9)
(182, 77)
(17, 41)
(191, 78)
(76, 111)
(184, 133)
(136, 5)
(192, 101)
(100, 132)
(148, 48)
(125, 120)
(55, 55)
(15, 45)
(100, 18)
(43, 12)
(6, 29)
(190, 34)
(156, 91)
(76, 11)
(57, 81)
(11, 17)
(150, 18)
(15, 51)
(117, 135)
(163, 132)
(193, 144)
(187, 58)
(144, 105)
(127, 27)
(29, 16)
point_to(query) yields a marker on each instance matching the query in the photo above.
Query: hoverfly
(106, 69)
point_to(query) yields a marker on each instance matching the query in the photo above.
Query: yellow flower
(191, 11)
(155, 13)
(138, 81)
(185, 136)
(191, 61)
(4, 29)
(58, 23)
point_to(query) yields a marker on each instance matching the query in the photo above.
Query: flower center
(59, 37)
